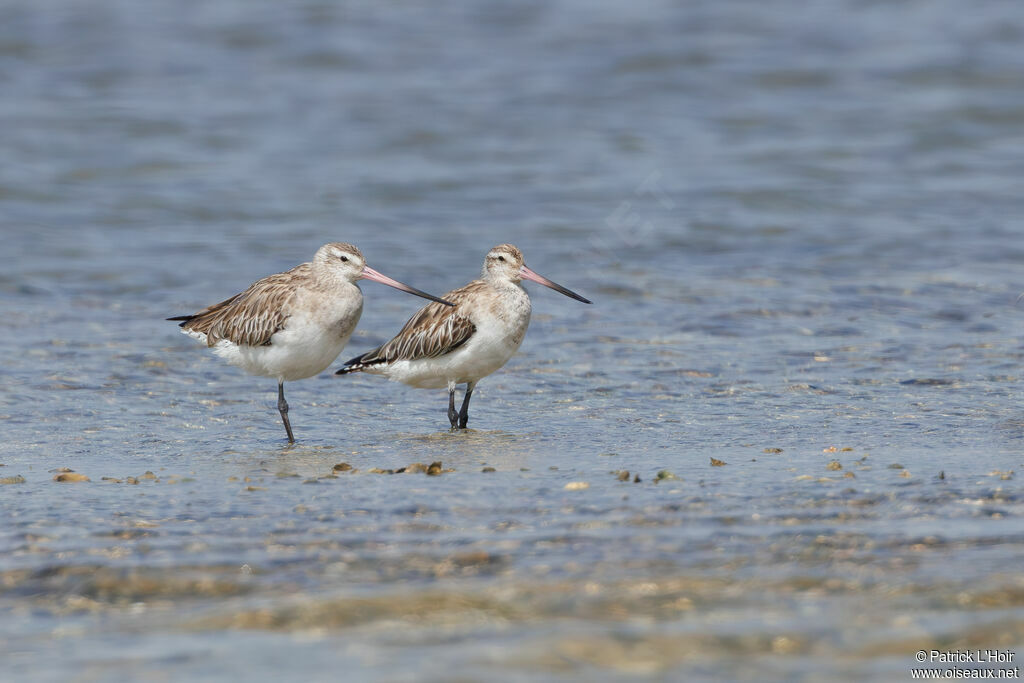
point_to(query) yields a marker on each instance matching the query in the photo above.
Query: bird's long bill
(528, 274)
(371, 274)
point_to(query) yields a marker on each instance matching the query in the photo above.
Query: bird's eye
(343, 258)
(501, 258)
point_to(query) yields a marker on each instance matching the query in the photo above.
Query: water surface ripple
(801, 228)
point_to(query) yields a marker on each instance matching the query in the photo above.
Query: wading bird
(444, 346)
(292, 325)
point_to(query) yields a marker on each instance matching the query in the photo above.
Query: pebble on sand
(433, 469)
(70, 476)
(664, 475)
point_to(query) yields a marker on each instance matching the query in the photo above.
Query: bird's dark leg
(464, 412)
(453, 416)
(282, 407)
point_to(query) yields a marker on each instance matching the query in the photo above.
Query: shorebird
(292, 325)
(444, 346)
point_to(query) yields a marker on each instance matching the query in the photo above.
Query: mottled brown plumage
(252, 317)
(434, 331)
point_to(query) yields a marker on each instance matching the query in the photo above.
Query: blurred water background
(801, 226)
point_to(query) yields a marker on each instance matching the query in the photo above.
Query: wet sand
(783, 444)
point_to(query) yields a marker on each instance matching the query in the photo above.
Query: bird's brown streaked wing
(437, 333)
(435, 330)
(252, 317)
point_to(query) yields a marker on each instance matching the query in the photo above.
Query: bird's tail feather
(358, 364)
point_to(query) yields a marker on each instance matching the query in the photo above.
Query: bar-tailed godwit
(292, 325)
(444, 346)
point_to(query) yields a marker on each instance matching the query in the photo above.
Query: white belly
(303, 349)
(487, 350)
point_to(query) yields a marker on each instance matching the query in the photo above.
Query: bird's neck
(501, 283)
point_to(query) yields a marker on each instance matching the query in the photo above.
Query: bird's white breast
(501, 323)
(315, 332)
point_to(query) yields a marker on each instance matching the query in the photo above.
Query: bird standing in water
(292, 325)
(445, 346)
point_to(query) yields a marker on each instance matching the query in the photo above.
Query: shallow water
(801, 230)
